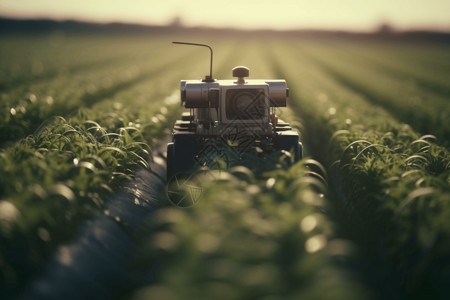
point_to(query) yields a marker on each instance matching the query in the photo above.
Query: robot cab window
(245, 104)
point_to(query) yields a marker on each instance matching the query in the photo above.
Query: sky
(357, 15)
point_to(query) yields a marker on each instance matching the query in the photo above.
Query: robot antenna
(207, 78)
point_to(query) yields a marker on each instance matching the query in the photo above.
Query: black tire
(170, 161)
(183, 152)
(289, 142)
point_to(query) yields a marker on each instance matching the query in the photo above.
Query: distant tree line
(384, 32)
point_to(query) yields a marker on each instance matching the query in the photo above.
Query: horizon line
(386, 25)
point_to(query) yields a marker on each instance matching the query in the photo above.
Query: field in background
(80, 114)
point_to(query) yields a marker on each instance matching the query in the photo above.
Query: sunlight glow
(250, 14)
(308, 223)
(8, 215)
(315, 243)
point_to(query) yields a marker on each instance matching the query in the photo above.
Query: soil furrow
(97, 264)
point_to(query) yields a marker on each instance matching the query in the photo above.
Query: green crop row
(250, 235)
(23, 107)
(391, 185)
(29, 59)
(63, 174)
(424, 66)
(417, 99)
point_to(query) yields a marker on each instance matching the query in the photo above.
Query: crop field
(364, 215)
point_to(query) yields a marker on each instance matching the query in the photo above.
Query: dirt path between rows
(96, 264)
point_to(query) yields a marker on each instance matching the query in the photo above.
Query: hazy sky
(277, 14)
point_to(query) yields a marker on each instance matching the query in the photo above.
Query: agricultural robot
(229, 116)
